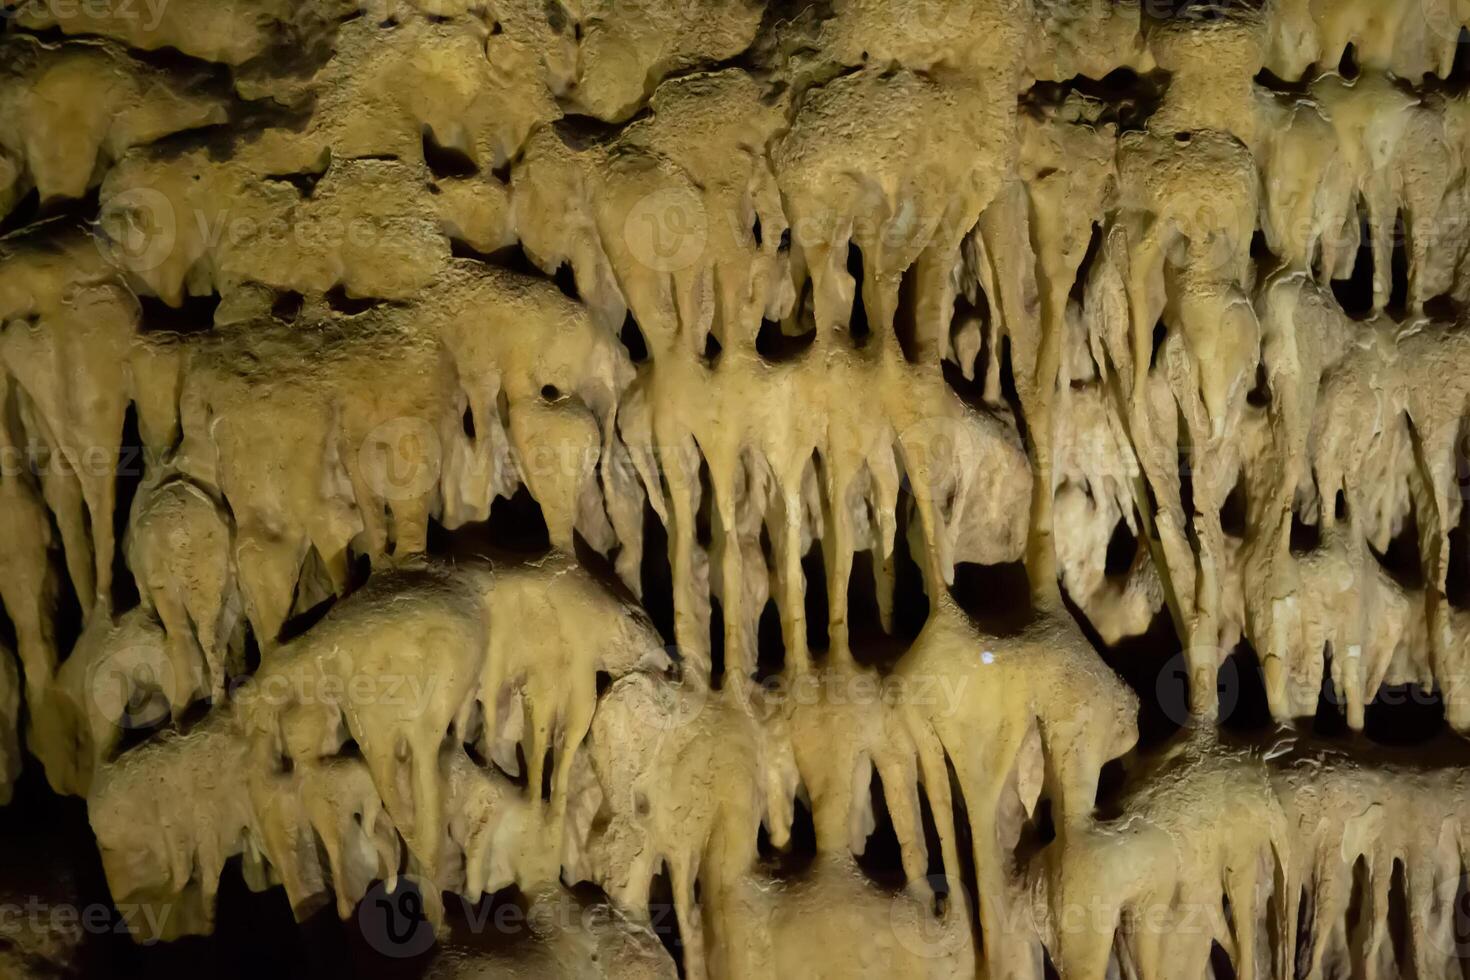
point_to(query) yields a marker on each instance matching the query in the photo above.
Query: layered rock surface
(790, 324)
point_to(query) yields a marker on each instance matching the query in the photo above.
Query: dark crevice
(814, 571)
(871, 645)
(250, 653)
(1330, 720)
(461, 249)
(1457, 81)
(656, 575)
(1008, 387)
(145, 715)
(1220, 965)
(1357, 909)
(515, 529)
(299, 623)
(881, 859)
(1399, 928)
(1161, 334)
(801, 846)
(964, 876)
(1347, 65)
(1299, 87)
(1186, 482)
(304, 181)
(1111, 781)
(858, 328)
(548, 767)
(1122, 550)
(195, 314)
(1127, 99)
(770, 649)
(915, 349)
(663, 917)
(910, 600)
(1305, 538)
(775, 345)
(1443, 308)
(997, 598)
(68, 610)
(1404, 714)
(23, 213)
(716, 644)
(286, 307)
(566, 280)
(517, 524)
(1152, 666)
(1266, 260)
(705, 513)
(132, 463)
(32, 216)
(1457, 580)
(521, 778)
(1398, 297)
(974, 311)
(933, 846)
(1402, 560)
(341, 302)
(1244, 705)
(1355, 293)
(1260, 394)
(1233, 511)
(633, 340)
(1089, 259)
(712, 349)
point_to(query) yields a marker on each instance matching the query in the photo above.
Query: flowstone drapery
(726, 480)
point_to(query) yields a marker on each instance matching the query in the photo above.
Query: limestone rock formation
(735, 489)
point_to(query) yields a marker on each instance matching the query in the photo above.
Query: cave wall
(845, 472)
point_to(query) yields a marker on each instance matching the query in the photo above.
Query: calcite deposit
(856, 488)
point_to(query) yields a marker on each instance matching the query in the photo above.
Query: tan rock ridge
(732, 483)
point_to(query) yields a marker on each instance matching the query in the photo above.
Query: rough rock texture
(806, 332)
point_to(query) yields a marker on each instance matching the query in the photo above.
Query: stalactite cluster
(737, 460)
